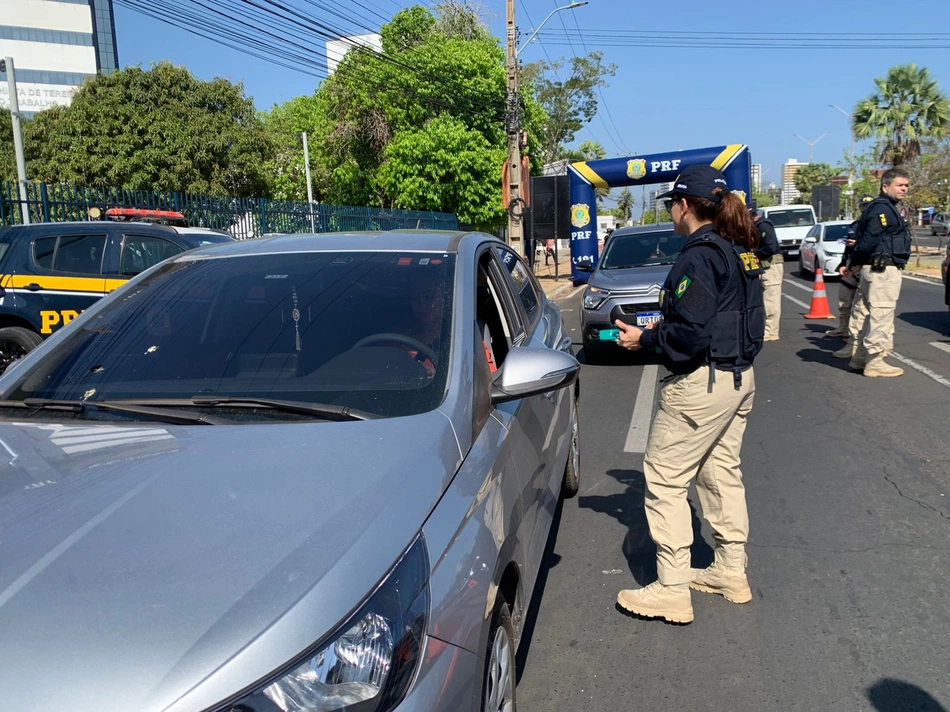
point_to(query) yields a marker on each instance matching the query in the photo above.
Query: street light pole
(516, 204)
(6, 65)
(811, 144)
(306, 168)
(851, 125)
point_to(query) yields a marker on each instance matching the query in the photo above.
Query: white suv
(792, 223)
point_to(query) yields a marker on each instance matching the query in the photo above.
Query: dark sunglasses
(668, 204)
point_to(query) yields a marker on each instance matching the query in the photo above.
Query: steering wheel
(423, 351)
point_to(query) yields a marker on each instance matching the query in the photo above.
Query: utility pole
(6, 65)
(306, 167)
(513, 130)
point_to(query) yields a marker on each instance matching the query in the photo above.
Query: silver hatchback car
(626, 283)
(295, 473)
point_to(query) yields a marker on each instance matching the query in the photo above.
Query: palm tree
(625, 205)
(907, 107)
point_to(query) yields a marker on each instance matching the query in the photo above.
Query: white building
(55, 45)
(757, 177)
(337, 49)
(661, 188)
(789, 192)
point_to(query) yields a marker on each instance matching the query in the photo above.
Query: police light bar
(143, 214)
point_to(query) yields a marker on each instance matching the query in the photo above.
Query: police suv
(50, 272)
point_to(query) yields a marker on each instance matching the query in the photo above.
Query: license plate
(793, 252)
(647, 318)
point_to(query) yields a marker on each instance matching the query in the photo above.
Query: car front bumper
(625, 309)
(449, 680)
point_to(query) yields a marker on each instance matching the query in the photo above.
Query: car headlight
(368, 664)
(593, 298)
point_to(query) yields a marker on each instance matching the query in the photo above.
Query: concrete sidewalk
(555, 288)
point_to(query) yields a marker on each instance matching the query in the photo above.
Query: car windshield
(361, 330)
(641, 249)
(835, 232)
(791, 218)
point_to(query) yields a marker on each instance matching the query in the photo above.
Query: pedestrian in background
(882, 249)
(772, 261)
(713, 326)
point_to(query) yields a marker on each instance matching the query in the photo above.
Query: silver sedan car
(295, 473)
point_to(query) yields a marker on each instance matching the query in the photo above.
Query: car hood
(795, 232)
(138, 562)
(621, 280)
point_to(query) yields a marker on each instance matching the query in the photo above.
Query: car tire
(571, 483)
(498, 685)
(16, 341)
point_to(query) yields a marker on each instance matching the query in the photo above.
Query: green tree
(569, 103)
(811, 175)
(650, 217)
(419, 125)
(907, 107)
(762, 198)
(159, 129)
(624, 209)
(7, 153)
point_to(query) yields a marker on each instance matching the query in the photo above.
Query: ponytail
(730, 217)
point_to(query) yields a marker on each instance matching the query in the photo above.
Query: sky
(675, 93)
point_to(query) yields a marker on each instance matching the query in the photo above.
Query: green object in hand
(609, 334)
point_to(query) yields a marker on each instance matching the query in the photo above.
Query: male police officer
(851, 312)
(882, 249)
(770, 257)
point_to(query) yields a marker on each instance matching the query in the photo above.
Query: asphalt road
(925, 239)
(848, 482)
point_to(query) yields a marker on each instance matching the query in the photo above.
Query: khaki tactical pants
(879, 292)
(845, 303)
(772, 294)
(697, 434)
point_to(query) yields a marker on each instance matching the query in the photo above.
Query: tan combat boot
(846, 351)
(857, 364)
(671, 603)
(879, 368)
(730, 583)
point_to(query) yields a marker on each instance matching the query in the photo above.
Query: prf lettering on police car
(665, 166)
(581, 234)
(53, 317)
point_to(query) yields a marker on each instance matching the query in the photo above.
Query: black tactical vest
(738, 329)
(896, 240)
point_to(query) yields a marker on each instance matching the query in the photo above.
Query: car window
(814, 232)
(522, 284)
(641, 249)
(76, 254)
(835, 232)
(794, 217)
(139, 252)
(366, 330)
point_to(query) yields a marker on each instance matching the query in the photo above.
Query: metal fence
(242, 217)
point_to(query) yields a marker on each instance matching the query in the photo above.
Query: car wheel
(592, 354)
(571, 483)
(498, 693)
(15, 341)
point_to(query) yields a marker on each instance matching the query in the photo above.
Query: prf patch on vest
(683, 286)
(883, 219)
(750, 263)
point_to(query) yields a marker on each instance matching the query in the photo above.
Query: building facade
(757, 177)
(55, 46)
(789, 192)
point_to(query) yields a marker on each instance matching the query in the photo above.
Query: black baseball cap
(866, 199)
(700, 182)
(753, 207)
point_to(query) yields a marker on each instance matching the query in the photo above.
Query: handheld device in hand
(609, 334)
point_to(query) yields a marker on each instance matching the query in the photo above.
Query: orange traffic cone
(819, 299)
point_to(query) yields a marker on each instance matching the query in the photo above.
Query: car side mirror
(530, 370)
(585, 264)
(809, 239)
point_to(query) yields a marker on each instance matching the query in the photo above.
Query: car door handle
(34, 287)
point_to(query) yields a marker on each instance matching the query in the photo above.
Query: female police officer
(713, 327)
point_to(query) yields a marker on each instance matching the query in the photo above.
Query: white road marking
(923, 369)
(923, 281)
(800, 286)
(642, 417)
(941, 345)
(797, 301)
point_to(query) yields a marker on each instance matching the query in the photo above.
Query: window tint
(81, 254)
(139, 252)
(43, 250)
(640, 249)
(521, 284)
(365, 330)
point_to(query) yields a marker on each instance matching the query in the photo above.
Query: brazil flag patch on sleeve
(682, 286)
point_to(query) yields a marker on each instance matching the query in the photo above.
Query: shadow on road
(638, 547)
(936, 321)
(887, 695)
(824, 357)
(548, 562)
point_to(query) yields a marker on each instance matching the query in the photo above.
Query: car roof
(799, 206)
(637, 229)
(836, 222)
(71, 226)
(444, 241)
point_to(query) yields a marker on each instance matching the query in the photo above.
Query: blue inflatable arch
(733, 160)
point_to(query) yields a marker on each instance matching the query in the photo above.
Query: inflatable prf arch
(732, 160)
